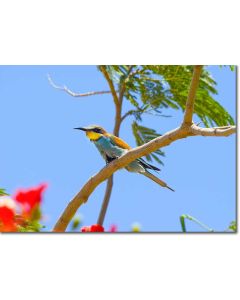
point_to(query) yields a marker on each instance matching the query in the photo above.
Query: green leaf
(36, 214)
(144, 135)
(233, 226)
(31, 226)
(133, 99)
(232, 67)
(151, 88)
(178, 79)
(76, 222)
(167, 87)
(183, 225)
(182, 222)
(3, 193)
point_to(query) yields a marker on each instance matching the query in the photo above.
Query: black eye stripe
(97, 130)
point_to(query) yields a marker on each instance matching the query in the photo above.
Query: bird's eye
(97, 130)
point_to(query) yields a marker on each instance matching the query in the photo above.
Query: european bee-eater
(112, 147)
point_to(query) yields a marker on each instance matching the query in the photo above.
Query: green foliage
(233, 226)
(178, 79)
(76, 222)
(36, 214)
(144, 135)
(188, 217)
(31, 226)
(151, 88)
(2, 192)
(182, 222)
(232, 67)
(32, 223)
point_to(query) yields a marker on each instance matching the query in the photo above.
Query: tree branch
(214, 131)
(123, 87)
(112, 167)
(117, 123)
(124, 160)
(118, 119)
(71, 93)
(187, 121)
(110, 83)
(106, 199)
(115, 99)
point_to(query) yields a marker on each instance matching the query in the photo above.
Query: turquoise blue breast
(105, 145)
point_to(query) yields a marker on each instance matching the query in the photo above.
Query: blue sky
(40, 145)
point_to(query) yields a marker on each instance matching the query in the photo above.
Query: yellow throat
(93, 136)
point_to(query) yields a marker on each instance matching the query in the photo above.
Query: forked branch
(73, 94)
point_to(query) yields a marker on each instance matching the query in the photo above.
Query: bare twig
(110, 180)
(73, 94)
(187, 121)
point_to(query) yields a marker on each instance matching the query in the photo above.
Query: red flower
(93, 228)
(30, 198)
(113, 228)
(7, 212)
(85, 229)
(6, 215)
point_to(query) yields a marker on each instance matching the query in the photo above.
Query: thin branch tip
(213, 131)
(73, 94)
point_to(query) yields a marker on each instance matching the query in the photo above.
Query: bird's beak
(81, 128)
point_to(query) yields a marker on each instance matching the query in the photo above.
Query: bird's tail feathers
(157, 180)
(147, 165)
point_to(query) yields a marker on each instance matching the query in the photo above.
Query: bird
(112, 147)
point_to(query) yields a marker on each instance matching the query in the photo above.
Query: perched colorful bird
(112, 147)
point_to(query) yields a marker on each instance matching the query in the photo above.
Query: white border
(119, 266)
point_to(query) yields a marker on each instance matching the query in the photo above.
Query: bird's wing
(119, 142)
